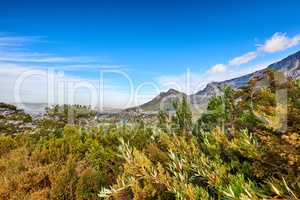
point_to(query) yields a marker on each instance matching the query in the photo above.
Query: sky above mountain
(136, 48)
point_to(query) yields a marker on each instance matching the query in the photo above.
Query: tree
(183, 116)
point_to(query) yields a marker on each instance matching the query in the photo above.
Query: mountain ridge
(289, 65)
(157, 102)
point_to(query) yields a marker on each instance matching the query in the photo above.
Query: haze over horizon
(137, 48)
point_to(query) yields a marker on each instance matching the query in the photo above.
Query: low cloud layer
(16, 59)
(24, 84)
(38, 70)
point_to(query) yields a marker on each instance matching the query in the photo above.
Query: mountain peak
(290, 64)
(172, 91)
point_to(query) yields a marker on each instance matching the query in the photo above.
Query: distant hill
(162, 101)
(290, 66)
(13, 120)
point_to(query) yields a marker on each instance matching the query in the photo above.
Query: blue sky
(151, 41)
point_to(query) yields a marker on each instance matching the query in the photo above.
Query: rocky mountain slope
(289, 66)
(162, 101)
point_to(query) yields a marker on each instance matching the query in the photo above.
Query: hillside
(162, 101)
(13, 120)
(289, 66)
(238, 149)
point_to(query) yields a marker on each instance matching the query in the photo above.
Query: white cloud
(17, 41)
(19, 55)
(218, 68)
(15, 49)
(279, 42)
(243, 59)
(89, 67)
(191, 83)
(16, 58)
(221, 72)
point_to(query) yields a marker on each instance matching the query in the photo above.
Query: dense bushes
(7, 143)
(238, 149)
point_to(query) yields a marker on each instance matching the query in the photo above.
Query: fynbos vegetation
(246, 146)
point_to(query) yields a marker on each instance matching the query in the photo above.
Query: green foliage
(183, 117)
(238, 150)
(7, 143)
(71, 113)
(8, 106)
(13, 120)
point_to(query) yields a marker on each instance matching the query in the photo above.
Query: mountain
(162, 101)
(290, 66)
